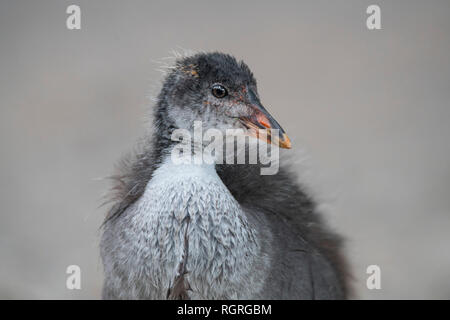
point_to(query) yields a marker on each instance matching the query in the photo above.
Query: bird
(214, 230)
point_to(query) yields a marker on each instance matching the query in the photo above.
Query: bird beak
(260, 120)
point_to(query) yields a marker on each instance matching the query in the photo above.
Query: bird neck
(187, 166)
(186, 151)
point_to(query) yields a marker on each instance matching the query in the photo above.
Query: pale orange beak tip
(285, 142)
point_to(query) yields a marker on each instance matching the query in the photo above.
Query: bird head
(221, 92)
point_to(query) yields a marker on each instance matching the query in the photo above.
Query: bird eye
(219, 91)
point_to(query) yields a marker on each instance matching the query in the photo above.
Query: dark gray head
(219, 91)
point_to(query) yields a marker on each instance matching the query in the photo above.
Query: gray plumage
(213, 231)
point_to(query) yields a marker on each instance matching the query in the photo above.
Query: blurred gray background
(370, 108)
